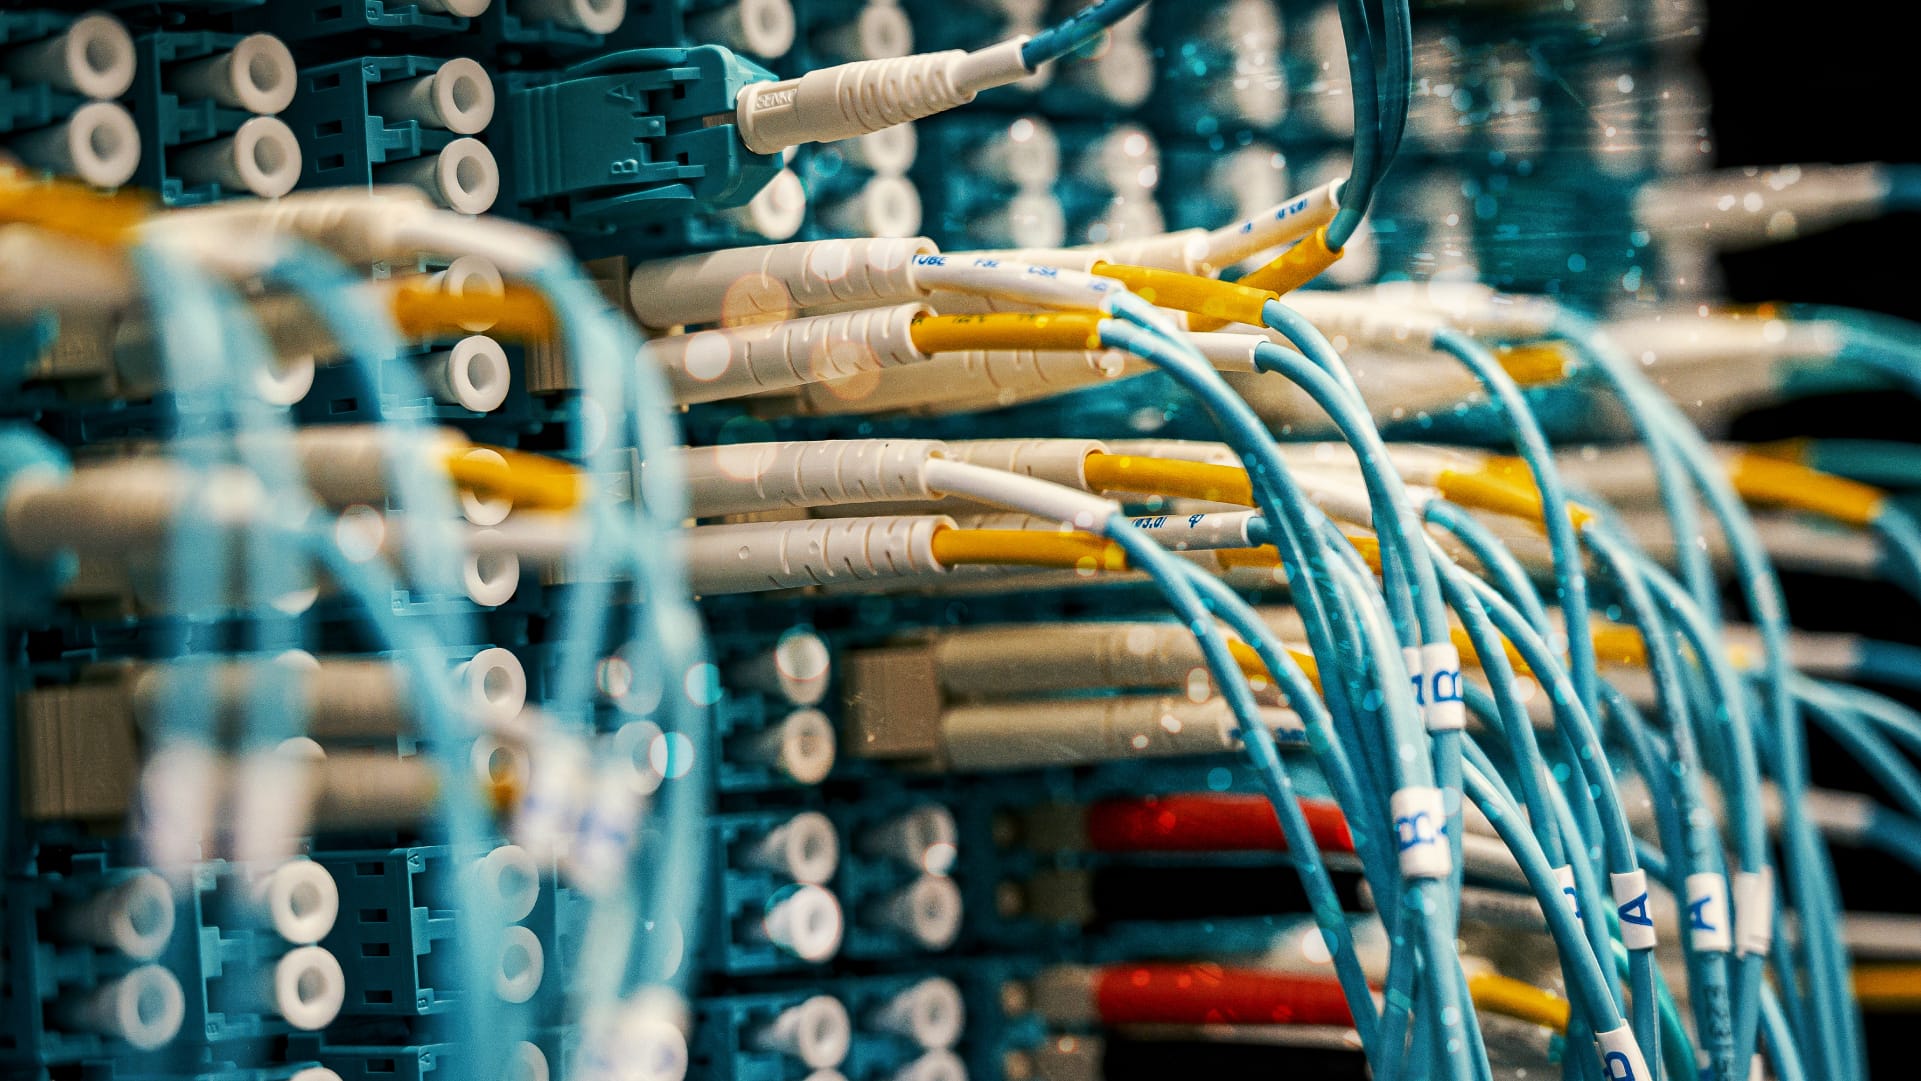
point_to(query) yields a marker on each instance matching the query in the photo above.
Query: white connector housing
(807, 923)
(99, 144)
(301, 900)
(801, 746)
(931, 1013)
(712, 365)
(741, 478)
(521, 965)
(852, 99)
(971, 380)
(788, 555)
(763, 28)
(306, 988)
(591, 16)
(511, 879)
(92, 57)
(258, 75)
(262, 157)
(928, 911)
(817, 1031)
(797, 669)
(458, 96)
(774, 281)
(1057, 461)
(805, 848)
(924, 839)
(144, 1008)
(473, 375)
(463, 177)
(135, 917)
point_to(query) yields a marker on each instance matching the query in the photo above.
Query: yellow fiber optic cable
(1496, 488)
(1216, 302)
(1168, 477)
(1027, 548)
(530, 481)
(1888, 988)
(1535, 364)
(1518, 999)
(1761, 478)
(1007, 330)
(1296, 266)
(71, 209)
(516, 312)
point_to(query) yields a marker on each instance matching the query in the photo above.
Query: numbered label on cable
(1420, 832)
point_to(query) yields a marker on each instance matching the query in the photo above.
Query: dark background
(1802, 82)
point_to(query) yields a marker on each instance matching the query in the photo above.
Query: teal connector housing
(629, 138)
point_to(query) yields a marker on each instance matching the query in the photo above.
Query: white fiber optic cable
(389, 224)
(775, 281)
(1744, 208)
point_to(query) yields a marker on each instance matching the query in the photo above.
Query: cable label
(1631, 904)
(1754, 911)
(1435, 672)
(1564, 878)
(1420, 832)
(1708, 913)
(1621, 1055)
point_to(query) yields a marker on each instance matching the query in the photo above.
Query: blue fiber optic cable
(1326, 906)
(1745, 774)
(1892, 719)
(1171, 576)
(1531, 443)
(1358, 193)
(1809, 874)
(1495, 559)
(665, 888)
(1076, 31)
(366, 336)
(1587, 984)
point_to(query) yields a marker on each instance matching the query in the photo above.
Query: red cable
(1207, 994)
(1206, 823)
